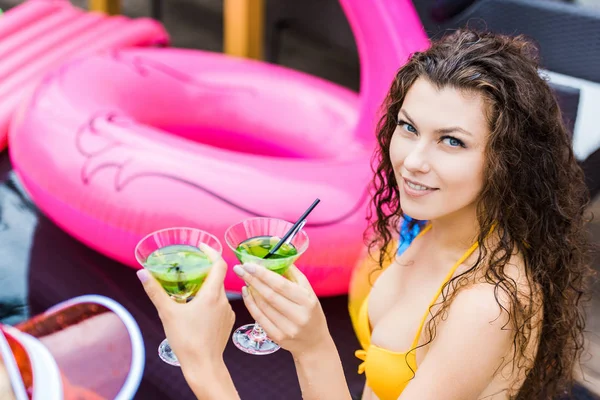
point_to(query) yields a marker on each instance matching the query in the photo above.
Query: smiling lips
(416, 189)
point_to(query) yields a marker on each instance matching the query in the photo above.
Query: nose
(417, 159)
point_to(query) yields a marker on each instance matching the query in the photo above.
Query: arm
(321, 375)
(291, 314)
(210, 381)
(470, 346)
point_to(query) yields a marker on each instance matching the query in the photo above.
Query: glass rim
(263, 218)
(174, 228)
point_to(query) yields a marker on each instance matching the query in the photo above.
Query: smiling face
(437, 151)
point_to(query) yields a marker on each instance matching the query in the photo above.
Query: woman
(485, 301)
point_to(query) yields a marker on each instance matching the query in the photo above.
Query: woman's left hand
(199, 330)
(287, 309)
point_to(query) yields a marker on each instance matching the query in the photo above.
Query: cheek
(397, 149)
(463, 175)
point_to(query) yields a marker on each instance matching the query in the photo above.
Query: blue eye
(453, 142)
(406, 126)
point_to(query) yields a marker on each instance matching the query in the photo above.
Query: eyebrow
(441, 131)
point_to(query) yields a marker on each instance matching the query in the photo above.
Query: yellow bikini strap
(439, 291)
(427, 228)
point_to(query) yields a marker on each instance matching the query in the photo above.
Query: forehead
(434, 108)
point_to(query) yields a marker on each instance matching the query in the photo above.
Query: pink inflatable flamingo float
(37, 36)
(171, 137)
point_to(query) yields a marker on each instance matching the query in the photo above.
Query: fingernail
(244, 291)
(250, 268)
(143, 275)
(239, 271)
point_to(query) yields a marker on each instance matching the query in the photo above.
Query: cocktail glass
(174, 259)
(251, 338)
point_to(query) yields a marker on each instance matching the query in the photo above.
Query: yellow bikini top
(389, 372)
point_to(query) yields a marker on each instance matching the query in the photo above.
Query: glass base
(165, 352)
(248, 343)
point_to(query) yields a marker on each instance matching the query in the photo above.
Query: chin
(420, 213)
(421, 216)
(419, 210)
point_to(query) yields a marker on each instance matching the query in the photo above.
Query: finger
(155, 292)
(213, 254)
(218, 270)
(254, 275)
(272, 331)
(287, 323)
(295, 275)
(275, 300)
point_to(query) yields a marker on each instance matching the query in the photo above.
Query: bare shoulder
(493, 300)
(477, 326)
(510, 282)
(479, 306)
(516, 299)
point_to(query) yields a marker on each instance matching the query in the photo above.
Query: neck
(456, 232)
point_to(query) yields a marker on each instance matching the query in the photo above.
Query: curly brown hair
(533, 189)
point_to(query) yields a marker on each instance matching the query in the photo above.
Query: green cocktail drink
(260, 246)
(180, 269)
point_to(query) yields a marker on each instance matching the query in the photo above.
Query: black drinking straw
(292, 229)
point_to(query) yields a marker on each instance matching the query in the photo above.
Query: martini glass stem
(258, 334)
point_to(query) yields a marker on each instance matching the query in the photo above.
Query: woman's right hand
(287, 309)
